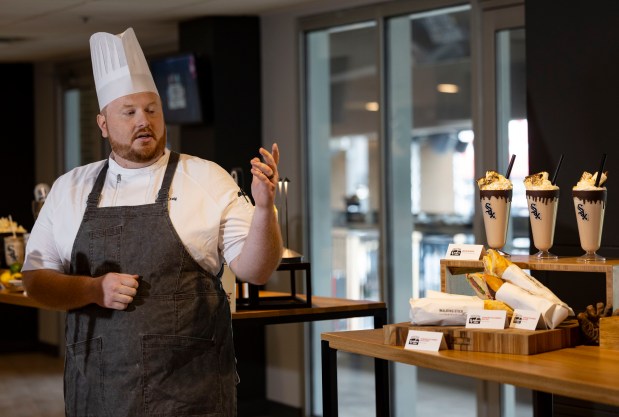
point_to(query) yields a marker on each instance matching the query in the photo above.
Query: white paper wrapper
(442, 309)
(552, 313)
(519, 278)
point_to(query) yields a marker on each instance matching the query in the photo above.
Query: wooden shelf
(453, 279)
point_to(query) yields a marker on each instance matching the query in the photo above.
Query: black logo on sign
(535, 213)
(414, 341)
(475, 320)
(455, 252)
(581, 212)
(490, 212)
(517, 319)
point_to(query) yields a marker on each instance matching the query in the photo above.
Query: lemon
(16, 275)
(5, 277)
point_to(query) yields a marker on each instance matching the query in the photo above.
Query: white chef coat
(209, 214)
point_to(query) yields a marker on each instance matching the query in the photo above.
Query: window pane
(343, 144)
(431, 184)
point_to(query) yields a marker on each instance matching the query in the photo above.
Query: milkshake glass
(590, 206)
(495, 206)
(543, 206)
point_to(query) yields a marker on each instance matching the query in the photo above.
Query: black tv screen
(176, 78)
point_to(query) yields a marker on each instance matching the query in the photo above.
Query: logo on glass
(535, 213)
(489, 211)
(581, 212)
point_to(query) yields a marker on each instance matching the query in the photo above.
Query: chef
(133, 247)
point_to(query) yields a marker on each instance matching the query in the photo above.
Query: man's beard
(141, 154)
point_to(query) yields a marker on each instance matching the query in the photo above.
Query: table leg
(381, 374)
(381, 379)
(542, 404)
(329, 380)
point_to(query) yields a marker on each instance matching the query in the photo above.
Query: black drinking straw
(554, 176)
(509, 167)
(599, 177)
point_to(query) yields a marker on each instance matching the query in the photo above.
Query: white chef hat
(119, 66)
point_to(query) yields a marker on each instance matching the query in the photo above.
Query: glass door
(431, 195)
(343, 143)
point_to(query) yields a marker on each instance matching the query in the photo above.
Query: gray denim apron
(170, 353)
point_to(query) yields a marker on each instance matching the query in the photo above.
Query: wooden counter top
(323, 308)
(584, 372)
(18, 298)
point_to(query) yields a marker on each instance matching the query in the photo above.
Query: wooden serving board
(514, 341)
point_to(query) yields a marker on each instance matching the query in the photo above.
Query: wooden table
(453, 280)
(18, 298)
(584, 372)
(323, 308)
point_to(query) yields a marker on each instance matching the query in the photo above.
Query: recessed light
(448, 88)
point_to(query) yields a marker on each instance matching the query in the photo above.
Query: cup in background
(495, 206)
(590, 206)
(13, 250)
(543, 206)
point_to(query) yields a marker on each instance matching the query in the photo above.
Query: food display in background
(11, 279)
(506, 282)
(589, 196)
(543, 202)
(12, 243)
(495, 196)
(442, 309)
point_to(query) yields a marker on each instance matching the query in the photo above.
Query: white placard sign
(525, 319)
(423, 340)
(469, 252)
(486, 319)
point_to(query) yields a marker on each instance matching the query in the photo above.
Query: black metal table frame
(329, 378)
(381, 374)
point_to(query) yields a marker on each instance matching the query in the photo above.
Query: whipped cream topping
(587, 181)
(494, 181)
(539, 181)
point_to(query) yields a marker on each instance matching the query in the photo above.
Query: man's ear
(102, 122)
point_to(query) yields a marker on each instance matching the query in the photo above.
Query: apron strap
(95, 193)
(164, 191)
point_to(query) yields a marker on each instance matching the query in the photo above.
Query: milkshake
(590, 204)
(495, 196)
(543, 201)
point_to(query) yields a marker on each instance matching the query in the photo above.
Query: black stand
(253, 300)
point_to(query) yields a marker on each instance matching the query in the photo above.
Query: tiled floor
(31, 386)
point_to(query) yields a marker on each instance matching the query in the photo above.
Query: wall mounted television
(177, 80)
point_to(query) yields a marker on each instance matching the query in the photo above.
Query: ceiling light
(448, 88)
(371, 106)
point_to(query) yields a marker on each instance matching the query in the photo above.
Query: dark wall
(17, 143)
(228, 53)
(17, 180)
(572, 109)
(573, 103)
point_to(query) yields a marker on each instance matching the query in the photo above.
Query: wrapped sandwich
(442, 309)
(497, 265)
(504, 281)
